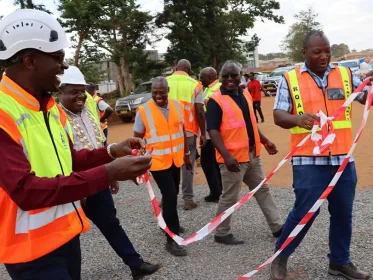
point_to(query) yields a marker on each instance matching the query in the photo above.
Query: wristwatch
(108, 150)
(187, 154)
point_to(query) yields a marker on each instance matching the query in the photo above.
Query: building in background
(252, 57)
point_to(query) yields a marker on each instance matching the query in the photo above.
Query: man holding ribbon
(318, 85)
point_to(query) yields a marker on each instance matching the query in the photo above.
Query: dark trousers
(61, 264)
(309, 181)
(101, 211)
(211, 169)
(168, 182)
(257, 108)
(105, 131)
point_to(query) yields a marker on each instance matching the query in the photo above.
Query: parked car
(352, 64)
(261, 78)
(271, 83)
(125, 107)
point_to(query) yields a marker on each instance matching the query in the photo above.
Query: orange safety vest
(98, 99)
(233, 127)
(308, 97)
(183, 89)
(28, 235)
(166, 137)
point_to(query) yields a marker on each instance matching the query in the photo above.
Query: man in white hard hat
(85, 133)
(44, 178)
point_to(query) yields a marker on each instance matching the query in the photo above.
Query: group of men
(56, 153)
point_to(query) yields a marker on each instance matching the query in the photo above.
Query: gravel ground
(209, 260)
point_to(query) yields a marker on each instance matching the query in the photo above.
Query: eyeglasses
(231, 76)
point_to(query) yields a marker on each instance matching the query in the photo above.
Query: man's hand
(202, 141)
(114, 187)
(125, 148)
(232, 164)
(188, 162)
(271, 148)
(128, 167)
(307, 119)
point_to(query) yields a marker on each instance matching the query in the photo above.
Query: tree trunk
(127, 76)
(78, 48)
(30, 5)
(120, 80)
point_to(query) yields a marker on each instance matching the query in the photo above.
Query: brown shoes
(189, 205)
(349, 271)
(278, 269)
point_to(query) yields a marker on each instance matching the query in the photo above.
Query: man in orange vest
(234, 132)
(160, 122)
(104, 109)
(44, 178)
(318, 85)
(190, 93)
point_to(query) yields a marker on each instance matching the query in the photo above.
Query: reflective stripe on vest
(26, 221)
(163, 138)
(294, 84)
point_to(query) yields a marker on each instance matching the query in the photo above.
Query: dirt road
(280, 137)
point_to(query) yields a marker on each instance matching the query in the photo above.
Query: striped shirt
(284, 102)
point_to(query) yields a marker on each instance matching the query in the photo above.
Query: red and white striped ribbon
(208, 228)
(327, 191)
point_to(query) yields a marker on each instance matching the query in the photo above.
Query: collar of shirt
(224, 91)
(168, 105)
(213, 83)
(84, 110)
(320, 81)
(178, 72)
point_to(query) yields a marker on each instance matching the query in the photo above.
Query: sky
(343, 21)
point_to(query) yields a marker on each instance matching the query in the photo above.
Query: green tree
(79, 17)
(293, 42)
(208, 32)
(28, 4)
(339, 50)
(123, 31)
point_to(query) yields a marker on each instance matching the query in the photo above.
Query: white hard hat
(73, 76)
(30, 29)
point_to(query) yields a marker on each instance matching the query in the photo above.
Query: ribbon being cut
(322, 134)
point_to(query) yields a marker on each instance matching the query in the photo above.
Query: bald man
(158, 121)
(210, 82)
(189, 92)
(234, 133)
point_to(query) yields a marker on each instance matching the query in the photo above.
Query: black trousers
(168, 182)
(100, 209)
(211, 169)
(63, 263)
(256, 105)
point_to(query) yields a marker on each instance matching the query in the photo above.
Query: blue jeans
(309, 181)
(101, 211)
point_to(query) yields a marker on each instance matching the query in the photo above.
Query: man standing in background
(188, 91)
(255, 89)
(209, 80)
(104, 109)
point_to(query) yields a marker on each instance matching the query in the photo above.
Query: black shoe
(228, 240)
(211, 198)
(349, 271)
(175, 249)
(262, 120)
(278, 233)
(145, 269)
(278, 268)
